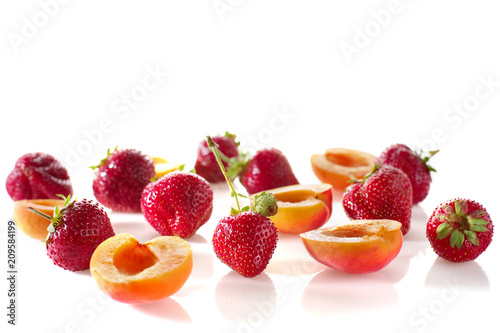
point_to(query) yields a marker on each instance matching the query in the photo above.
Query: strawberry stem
(42, 214)
(215, 150)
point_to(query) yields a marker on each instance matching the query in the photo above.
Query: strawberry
(385, 193)
(266, 170)
(459, 230)
(38, 176)
(75, 232)
(413, 165)
(206, 164)
(245, 240)
(178, 203)
(120, 179)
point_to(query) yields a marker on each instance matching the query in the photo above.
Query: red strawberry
(206, 164)
(267, 169)
(459, 230)
(38, 176)
(385, 193)
(246, 240)
(120, 179)
(416, 168)
(177, 204)
(75, 232)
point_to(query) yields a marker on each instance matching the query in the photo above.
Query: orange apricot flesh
(302, 207)
(361, 246)
(133, 272)
(337, 166)
(33, 225)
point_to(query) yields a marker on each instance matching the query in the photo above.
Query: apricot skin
(338, 165)
(30, 223)
(351, 249)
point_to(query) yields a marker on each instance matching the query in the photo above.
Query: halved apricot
(133, 272)
(302, 207)
(360, 246)
(338, 165)
(30, 223)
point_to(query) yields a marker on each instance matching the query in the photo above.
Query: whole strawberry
(266, 170)
(120, 179)
(413, 165)
(385, 193)
(246, 240)
(75, 232)
(206, 165)
(459, 230)
(38, 176)
(178, 203)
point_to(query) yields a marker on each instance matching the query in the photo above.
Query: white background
(275, 73)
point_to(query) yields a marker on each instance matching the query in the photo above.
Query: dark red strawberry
(267, 169)
(246, 240)
(38, 176)
(120, 179)
(413, 165)
(75, 232)
(178, 203)
(385, 193)
(459, 230)
(206, 164)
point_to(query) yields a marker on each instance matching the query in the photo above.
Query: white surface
(274, 73)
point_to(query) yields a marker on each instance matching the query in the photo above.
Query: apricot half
(302, 207)
(133, 272)
(361, 246)
(337, 166)
(30, 223)
(162, 166)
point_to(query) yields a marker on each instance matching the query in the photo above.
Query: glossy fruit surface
(38, 176)
(302, 207)
(120, 179)
(362, 246)
(133, 272)
(459, 230)
(30, 223)
(385, 193)
(177, 204)
(337, 166)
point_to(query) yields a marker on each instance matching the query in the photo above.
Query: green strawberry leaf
(477, 214)
(457, 238)
(471, 237)
(477, 221)
(478, 228)
(444, 230)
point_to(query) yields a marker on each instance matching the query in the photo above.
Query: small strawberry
(413, 165)
(459, 230)
(246, 240)
(38, 176)
(206, 164)
(178, 203)
(120, 179)
(75, 232)
(385, 193)
(266, 170)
